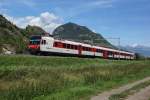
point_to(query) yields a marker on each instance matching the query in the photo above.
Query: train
(47, 45)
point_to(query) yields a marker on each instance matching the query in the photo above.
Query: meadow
(64, 78)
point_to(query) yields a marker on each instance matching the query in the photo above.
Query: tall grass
(64, 78)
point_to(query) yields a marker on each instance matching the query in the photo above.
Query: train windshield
(35, 40)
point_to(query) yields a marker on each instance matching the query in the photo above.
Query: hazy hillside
(139, 49)
(71, 31)
(33, 30)
(14, 39)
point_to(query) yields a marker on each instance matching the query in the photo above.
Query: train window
(56, 44)
(98, 50)
(64, 45)
(44, 41)
(76, 47)
(90, 49)
(72, 46)
(87, 49)
(110, 53)
(68, 46)
(35, 42)
(84, 49)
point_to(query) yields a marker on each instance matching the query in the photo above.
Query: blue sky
(127, 19)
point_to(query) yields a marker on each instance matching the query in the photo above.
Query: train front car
(34, 44)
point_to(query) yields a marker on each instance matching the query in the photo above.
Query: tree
(139, 56)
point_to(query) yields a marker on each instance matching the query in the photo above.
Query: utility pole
(119, 47)
(118, 39)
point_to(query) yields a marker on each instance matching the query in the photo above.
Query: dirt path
(107, 94)
(143, 94)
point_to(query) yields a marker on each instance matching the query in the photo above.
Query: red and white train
(49, 45)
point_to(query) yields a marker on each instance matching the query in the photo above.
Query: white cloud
(47, 21)
(135, 45)
(100, 3)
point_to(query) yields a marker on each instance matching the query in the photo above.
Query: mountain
(74, 32)
(14, 39)
(143, 50)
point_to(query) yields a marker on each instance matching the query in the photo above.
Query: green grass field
(64, 78)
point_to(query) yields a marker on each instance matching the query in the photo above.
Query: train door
(79, 49)
(94, 50)
(105, 54)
